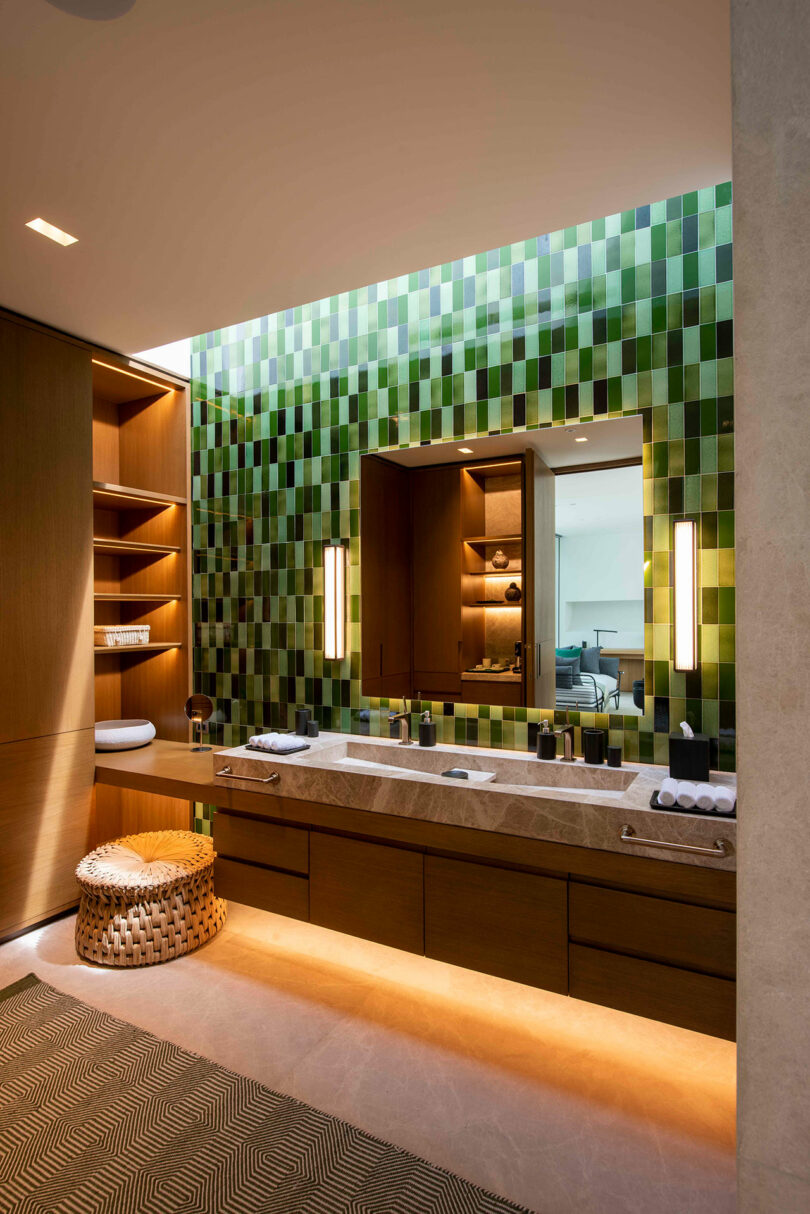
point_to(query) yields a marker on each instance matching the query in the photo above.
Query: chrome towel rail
(720, 848)
(273, 778)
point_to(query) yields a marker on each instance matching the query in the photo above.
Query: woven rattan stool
(147, 898)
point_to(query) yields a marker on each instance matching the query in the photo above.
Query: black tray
(701, 813)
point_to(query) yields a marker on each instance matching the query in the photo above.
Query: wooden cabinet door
(46, 787)
(539, 582)
(436, 563)
(46, 541)
(499, 921)
(367, 889)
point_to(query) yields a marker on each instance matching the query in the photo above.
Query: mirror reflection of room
(600, 589)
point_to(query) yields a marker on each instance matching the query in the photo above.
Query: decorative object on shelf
(147, 898)
(512, 593)
(500, 560)
(123, 735)
(198, 709)
(121, 634)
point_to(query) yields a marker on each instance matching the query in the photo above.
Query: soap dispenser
(546, 743)
(427, 730)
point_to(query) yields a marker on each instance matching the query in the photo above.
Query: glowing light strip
(334, 590)
(131, 374)
(685, 574)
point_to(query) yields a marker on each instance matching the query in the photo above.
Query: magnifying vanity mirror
(198, 709)
(507, 570)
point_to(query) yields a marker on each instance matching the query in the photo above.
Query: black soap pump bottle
(546, 743)
(427, 730)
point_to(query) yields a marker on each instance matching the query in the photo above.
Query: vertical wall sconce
(334, 590)
(685, 557)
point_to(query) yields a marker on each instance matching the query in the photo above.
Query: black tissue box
(689, 757)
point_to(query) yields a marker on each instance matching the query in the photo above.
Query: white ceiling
(607, 500)
(220, 159)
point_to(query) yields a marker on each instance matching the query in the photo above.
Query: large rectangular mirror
(506, 570)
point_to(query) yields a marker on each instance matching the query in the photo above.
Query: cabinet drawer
(677, 933)
(660, 992)
(501, 922)
(368, 890)
(261, 842)
(262, 887)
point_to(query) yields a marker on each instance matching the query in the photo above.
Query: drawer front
(367, 890)
(498, 921)
(262, 887)
(695, 937)
(260, 842)
(659, 992)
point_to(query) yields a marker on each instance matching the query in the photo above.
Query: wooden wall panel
(46, 561)
(46, 787)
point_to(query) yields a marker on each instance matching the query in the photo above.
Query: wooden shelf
(137, 598)
(121, 497)
(152, 647)
(510, 572)
(491, 540)
(496, 606)
(125, 547)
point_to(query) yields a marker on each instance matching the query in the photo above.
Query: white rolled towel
(278, 743)
(668, 792)
(724, 799)
(704, 798)
(687, 794)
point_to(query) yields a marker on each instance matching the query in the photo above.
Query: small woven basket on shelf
(147, 898)
(121, 634)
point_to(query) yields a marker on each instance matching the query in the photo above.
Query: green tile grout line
(628, 314)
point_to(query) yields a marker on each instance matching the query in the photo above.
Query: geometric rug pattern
(97, 1115)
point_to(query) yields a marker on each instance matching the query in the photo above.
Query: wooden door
(539, 582)
(385, 576)
(436, 563)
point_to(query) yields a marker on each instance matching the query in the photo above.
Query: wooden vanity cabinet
(651, 937)
(502, 922)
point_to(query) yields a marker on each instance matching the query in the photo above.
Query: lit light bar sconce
(334, 591)
(685, 557)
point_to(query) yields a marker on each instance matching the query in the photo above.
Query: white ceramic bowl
(123, 735)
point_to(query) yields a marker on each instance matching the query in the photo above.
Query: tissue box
(689, 757)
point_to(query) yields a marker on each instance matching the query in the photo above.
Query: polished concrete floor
(556, 1104)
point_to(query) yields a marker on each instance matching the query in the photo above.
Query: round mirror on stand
(198, 709)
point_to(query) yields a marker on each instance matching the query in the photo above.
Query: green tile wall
(631, 313)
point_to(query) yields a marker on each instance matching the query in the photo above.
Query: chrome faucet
(404, 717)
(566, 732)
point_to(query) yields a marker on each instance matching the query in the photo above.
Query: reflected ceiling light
(334, 592)
(51, 231)
(466, 450)
(581, 439)
(685, 578)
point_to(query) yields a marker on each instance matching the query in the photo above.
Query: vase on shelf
(512, 593)
(500, 560)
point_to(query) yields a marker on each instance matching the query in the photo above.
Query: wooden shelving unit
(141, 550)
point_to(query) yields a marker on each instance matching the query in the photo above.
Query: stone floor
(557, 1104)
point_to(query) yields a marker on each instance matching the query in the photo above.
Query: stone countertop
(578, 804)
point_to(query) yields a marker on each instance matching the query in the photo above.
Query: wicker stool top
(147, 865)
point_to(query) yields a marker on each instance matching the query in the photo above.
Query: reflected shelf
(151, 647)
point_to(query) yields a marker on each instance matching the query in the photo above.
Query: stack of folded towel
(703, 796)
(278, 743)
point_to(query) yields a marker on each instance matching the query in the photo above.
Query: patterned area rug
(98, 1116)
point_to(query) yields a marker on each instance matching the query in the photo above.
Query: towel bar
(273, 778)
(628, 835)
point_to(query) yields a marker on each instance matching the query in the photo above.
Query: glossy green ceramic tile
(630, 313)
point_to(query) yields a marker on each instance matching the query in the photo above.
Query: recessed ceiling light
(581, 439)
(466, 450)
(53, 233)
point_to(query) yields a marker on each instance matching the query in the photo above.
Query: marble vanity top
(572, 803)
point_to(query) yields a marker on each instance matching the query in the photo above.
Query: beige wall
(771, 173)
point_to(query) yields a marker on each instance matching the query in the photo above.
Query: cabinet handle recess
(273, 778)
(720, 848)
